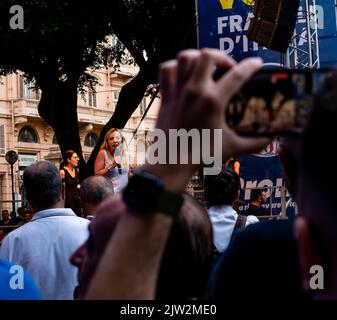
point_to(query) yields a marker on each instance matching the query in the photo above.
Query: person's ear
(308, 250)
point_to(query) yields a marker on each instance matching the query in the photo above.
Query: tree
(62, 39)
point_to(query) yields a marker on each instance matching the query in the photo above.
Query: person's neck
(57, 205)
(89, 209)
(70, 167)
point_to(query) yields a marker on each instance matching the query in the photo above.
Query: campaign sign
(264, 170)
(223, 24)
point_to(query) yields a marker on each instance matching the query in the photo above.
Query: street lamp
(11, 157)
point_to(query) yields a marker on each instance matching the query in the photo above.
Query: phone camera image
(274, 102)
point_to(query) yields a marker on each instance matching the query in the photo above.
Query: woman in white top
(112, 160)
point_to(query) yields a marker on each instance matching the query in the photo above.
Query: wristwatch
(145, 193)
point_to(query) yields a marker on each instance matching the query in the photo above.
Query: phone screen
(275, 102)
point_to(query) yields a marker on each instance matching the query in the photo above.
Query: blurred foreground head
(186, 261)
(316, 227)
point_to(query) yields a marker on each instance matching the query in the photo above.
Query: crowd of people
(145, 238)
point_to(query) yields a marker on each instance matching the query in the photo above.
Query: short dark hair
(95, 189)
(222, 188)
(68, 154)
(42, 183)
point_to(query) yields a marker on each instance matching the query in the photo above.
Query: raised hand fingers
(208, 61)
(167, 77)
(231, 82)
(199, 65)
(186, 63)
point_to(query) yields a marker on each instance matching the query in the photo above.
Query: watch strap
(170, 203)
(145, 193)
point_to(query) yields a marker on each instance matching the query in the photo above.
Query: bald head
(93, 191)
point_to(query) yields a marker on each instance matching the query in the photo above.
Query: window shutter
(2, 139)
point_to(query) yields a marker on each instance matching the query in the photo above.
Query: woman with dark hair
(112, 160)
(69, 175)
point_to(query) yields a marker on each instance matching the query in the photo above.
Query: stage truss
(305, 33)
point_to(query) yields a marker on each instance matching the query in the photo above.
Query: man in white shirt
(44, 245)
(221, 191)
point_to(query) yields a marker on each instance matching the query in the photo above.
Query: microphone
(117, 155)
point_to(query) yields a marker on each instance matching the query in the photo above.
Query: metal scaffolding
(303, 51)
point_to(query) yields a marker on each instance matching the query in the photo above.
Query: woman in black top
(69, 175)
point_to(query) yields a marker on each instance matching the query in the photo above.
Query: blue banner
(223, 24)
(264, 171)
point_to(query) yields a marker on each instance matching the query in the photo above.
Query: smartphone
(275, 102)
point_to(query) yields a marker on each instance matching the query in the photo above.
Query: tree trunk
(58, 107)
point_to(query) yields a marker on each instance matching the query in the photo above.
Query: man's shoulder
(251, 264)
(78, 220)
(20, 234)
(56, 214)
(264, 240)
(18, 231)
(267, 232)
(269, 227)
(40, 222)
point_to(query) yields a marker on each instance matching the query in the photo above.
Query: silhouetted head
(222, 188)
(93, 191)
(316, 226)
(186, 261)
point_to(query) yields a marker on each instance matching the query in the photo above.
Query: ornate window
(2, 139)
(92, 99)
(27, 90)
(28, 134)
(90, 140)
(115, 97)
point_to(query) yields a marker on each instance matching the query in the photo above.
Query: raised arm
(99, 166)
(190, 99)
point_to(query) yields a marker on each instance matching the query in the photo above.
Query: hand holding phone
(274, 102)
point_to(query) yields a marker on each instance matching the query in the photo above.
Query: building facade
(22, 129)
